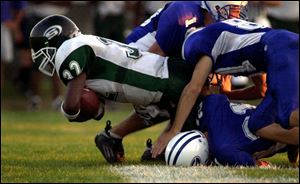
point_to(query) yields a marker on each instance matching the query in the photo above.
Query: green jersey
(121, 73)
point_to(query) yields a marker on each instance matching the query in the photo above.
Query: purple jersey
(231, 135)
(168, 27)
(238, 47)
(234, 46)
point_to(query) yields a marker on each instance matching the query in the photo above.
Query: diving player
(114, 70)
(239, 47)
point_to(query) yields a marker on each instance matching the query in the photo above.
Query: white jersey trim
(145, 42)
(228, 42)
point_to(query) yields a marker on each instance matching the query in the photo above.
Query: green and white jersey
(116, 71)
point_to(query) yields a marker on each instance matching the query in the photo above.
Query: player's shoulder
(73, 44)
(183, 4)
(76, 42)
(183, 9)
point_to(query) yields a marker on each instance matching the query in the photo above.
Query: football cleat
(147, 155)
(111, 148)
(293, 154)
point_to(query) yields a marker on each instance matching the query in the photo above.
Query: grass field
(43, 147)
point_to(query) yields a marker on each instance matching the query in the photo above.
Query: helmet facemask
(223, 10)
(230, 11)
(45, 60)
(46, 37)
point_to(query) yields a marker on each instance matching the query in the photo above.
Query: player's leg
(131, 124)
(283, 77)
(109, 141)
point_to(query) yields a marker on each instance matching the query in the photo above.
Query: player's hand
(100, 113)
(161, 143)
(226, 84)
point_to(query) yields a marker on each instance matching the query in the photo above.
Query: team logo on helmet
(196, 161)
(52, 31)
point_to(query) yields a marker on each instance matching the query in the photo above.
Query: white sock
(113, 135)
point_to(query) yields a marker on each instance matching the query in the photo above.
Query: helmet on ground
(223, 10)
(46, 37)
(188, 148)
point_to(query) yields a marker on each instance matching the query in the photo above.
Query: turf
(43, 147)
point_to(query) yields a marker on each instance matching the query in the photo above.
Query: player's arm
(276, 133)
(255, 91)
(71, 105)
(187, 100)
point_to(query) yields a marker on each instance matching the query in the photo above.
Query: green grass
(44, 147)
(40, 147)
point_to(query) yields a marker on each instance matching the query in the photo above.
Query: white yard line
(200, 174)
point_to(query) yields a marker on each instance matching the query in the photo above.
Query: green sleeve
(76, 63)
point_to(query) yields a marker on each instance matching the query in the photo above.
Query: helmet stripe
(183, 136)
(182, 146)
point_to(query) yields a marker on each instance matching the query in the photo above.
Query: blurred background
(24, 88)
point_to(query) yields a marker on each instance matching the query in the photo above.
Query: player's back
(115, 70)
(168, 27)
(234, 46)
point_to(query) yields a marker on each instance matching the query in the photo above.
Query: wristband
(69, 116)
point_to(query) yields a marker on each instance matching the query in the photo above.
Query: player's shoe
(111, 148)
(147, 155)
(293, 154)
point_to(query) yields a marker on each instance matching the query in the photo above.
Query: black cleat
(111, 148)
(147, 155)
(293, 154)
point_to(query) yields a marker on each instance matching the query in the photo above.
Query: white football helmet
(188, 148)
(223, 10)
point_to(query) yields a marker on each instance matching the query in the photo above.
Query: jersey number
(73, 65)
(242, 24)
(131, 52)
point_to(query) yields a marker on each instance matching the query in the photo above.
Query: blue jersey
(231, 135)
(238, 47)
(235, 47)
(168, 27)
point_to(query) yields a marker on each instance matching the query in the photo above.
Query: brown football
(89, 103)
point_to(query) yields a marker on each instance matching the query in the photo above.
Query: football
(89, 103)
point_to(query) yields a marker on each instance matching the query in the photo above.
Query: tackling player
(239, 47)
(233, 139)
(164, 32)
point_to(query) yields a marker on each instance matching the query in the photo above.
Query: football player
(239, 47)
(164, 32)
(114, 70)
(233, 139)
